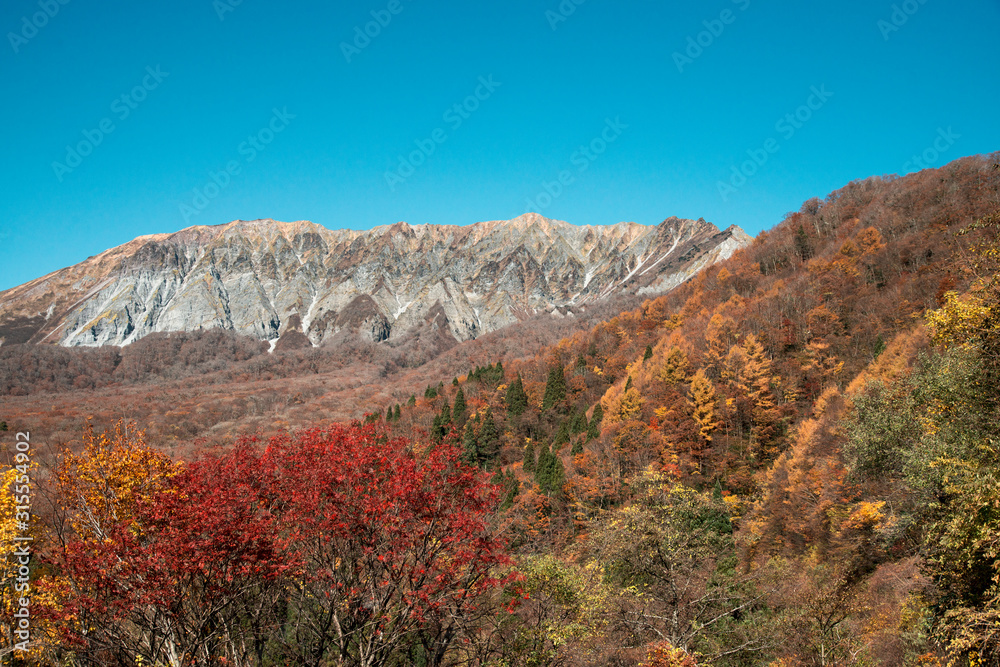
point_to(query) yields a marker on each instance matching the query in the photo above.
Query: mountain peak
(264, 277)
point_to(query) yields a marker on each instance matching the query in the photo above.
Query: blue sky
(130, 118)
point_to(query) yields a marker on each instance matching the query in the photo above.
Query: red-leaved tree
(397, 547)
(335, 545)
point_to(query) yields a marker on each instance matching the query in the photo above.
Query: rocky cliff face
(267, 279)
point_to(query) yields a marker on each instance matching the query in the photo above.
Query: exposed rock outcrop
(264, 278)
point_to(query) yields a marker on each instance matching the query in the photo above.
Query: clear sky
(122, 118)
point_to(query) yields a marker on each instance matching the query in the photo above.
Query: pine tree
(454, 382)
(562, 434)
(470, 443)
(396, 413)
(594, 430)
(442, 423)
(577, 447)
(458, 413)
(579, 422)
(488, 375)
(649, 353)
(529, 458)
(489, 438)
(412, 400)
(516, 399)
(550, 473)
(543, 468)
(555, 388)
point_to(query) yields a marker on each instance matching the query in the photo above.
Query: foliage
(332, 544)
(555, 388)
(515, 399)
(664, 654)
(671, 555)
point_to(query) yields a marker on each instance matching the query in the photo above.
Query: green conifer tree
(458, 413)
(555, 388)
(562, 434)
(594, 430)
(516, 399)
(543, 467)
(470, 443)
(489, 438)
(529, 458)
(550, 473)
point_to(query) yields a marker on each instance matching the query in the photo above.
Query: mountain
(301, 282)
(802, 432)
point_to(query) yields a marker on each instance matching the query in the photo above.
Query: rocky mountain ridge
(269, 279)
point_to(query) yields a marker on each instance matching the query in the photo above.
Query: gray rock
(263, 278)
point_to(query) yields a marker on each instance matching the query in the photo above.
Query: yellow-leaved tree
(703, 406)
(19, 574)
(98, 490)
(675, 368)
(102, 485)
(748, 368)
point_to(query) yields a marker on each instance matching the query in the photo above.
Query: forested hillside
(789, 460)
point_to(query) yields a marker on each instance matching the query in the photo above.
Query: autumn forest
(792, 459)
